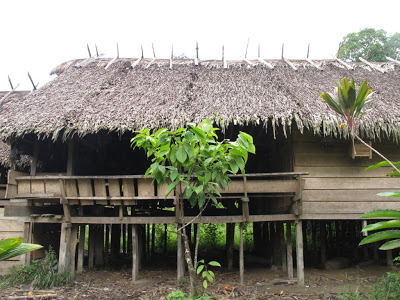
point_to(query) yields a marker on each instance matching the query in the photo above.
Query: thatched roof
(6, 97)
(83, 100)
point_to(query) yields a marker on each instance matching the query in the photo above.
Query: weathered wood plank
(351, 183)
(331, 216)
(10, 225)
(335, 160)
(24, 187)
(11, 234)
(52, 186)
(262, 186)
(145, 187)
(128, 187)
(5, 265)
(353, 195)
(347, 171)
(100, 190)
(37, 187)
(346, 207)
(85, 190)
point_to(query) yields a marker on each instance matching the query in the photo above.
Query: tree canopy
(370, 44)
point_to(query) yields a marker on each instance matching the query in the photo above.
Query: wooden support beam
(35, 157)
(88, 61)
(289, 250)
(99, 245)
(81, 248)
(135, 253)
(393, 60)
(88, 49)
(9, 80)
(241, 255)
(150, 63)
(249, 62)
(299, 253)
(245, 201)
(73, 240)
(180, 257)
(343, 63)
(372, 66)
(64, 202)
(65, 241)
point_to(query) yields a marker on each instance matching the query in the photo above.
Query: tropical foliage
(207, 275)
(195, 164)
(370, 44)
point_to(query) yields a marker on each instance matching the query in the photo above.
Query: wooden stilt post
(180, 257)
(81, 248)
(135, 253)
(230, 236)
(282, 245)
(65, 239)
(299, 251)
(153, 239)
(129, 243)
(73, 240)
(241, 255)
(322, 230)
(148, 253)
(389, 258)
(289, 250)
(115, 240)
(107, 244)
(123, 228)
(28, 228)
(99, 245)
(91, 246)
(165, 238)
(35, 157)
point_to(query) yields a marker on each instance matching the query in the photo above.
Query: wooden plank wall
(338, 186)
(10, 227)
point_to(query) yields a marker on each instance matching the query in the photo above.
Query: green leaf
(198, 189)
(210, 278)
(9, 244)
(390, 245)
(19, 250)
(247, 136)
(181, 155)
(389, 194)
(205, 284)
(199, 133)
(382, 164)
(188, 149)
(199, 269)
(204, 274)
(382, 213)
(382, 225)
(214, 263)
(379, 236)
(201, 200)
(174, 174)
(234, 167)
(171, 187)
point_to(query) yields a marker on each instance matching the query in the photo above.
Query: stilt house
(306, 171)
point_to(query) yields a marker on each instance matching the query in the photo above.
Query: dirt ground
(156, 281)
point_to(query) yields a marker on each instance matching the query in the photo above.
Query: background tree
(194, 164)
(370, 44)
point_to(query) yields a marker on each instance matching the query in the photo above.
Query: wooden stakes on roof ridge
(287, 61)
(223, 58)
(136, 62)
(393, 60)
(245, 55)
(371, 65)
(113, 60)
(196, 58)
(343, 63)
(34, 85)
(88, 49)
(263, 61)
(172, 55)
(154, 58)
(97, 52)
(310, 61)
(8, 94)
(9, 80)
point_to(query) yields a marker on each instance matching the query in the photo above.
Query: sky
(36, 36)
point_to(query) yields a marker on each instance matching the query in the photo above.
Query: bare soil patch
(156, 282)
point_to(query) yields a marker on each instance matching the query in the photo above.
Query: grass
(42, 273)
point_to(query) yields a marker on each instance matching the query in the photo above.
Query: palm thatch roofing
(6, 97)
(86, 98)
